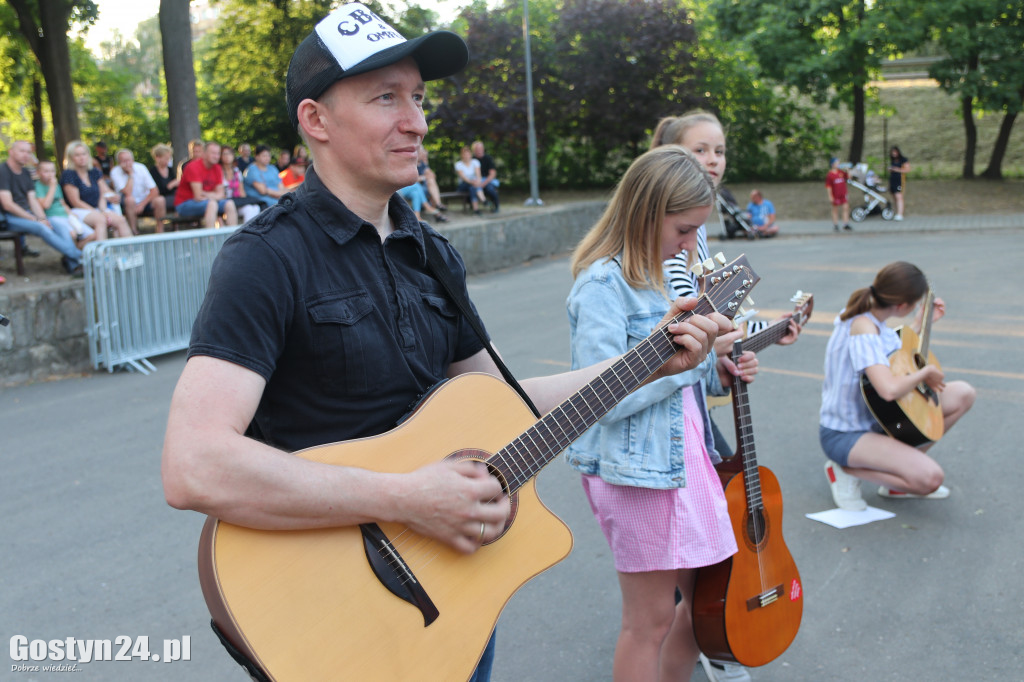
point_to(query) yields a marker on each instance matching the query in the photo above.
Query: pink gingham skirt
(651, 529)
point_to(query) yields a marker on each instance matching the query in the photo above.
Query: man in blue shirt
(261, 179)
(762, 214)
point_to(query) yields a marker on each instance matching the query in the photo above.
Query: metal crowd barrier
(143, 293)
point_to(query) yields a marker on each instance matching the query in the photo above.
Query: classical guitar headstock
(804, 306)
(727, 287)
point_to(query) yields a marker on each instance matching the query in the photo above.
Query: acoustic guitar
(916, 418)
(747, 609)
(378, 601)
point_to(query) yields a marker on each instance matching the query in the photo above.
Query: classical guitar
(747, 609)
(916, 418)
(378, 601)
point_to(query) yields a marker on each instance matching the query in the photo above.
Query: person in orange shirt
(295, 173)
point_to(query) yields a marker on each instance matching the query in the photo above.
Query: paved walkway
(875, 225)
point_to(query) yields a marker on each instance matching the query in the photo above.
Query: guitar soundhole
(756, 535)
(482, 457)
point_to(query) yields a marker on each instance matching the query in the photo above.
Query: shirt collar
(341, 224)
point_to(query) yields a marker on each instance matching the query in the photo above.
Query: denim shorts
(195, 208)
(837, 444)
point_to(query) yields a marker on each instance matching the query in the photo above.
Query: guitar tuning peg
(709, 264)
(797, 296)
(698, 269)
(720, 257)
(750, 301)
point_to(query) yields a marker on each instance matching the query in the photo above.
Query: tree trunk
(182, 103)
(37, 120)
(857, 140)
(971, 135)
(49, 42)
(995, 163)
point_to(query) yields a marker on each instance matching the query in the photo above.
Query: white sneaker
(845, 488)
(724, 672)
(940, 493)
(898, 217)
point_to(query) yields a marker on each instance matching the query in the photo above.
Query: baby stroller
(735, 220)
(874, 201)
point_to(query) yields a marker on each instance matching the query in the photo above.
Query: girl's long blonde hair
(672, 129)
(668, 179)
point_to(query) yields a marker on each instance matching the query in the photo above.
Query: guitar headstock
(726, 288)
(804, 306)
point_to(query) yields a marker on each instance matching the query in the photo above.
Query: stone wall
(46, 337)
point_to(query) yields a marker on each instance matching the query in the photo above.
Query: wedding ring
(482, 527)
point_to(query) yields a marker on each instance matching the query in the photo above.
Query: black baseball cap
(352, 40)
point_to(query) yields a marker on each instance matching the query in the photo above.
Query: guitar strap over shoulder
(455, 293)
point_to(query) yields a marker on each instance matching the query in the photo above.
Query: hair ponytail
(896, 283)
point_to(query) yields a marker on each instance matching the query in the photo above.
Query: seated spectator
(26, 215)
(468, 171)
(195, 151)
(139, 193)
(102, 161)
(51, 198)
(488, 174)
(201, 192)
(762, 215)
(428, 179)
(85, 191)
(295, 173)
(248, 207)
(284, 158)
(417, 198)
(244, 157)
(166, 181)
(261, 178)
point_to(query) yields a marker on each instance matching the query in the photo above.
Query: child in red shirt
(835, 181)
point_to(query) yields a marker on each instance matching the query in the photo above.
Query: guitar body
(748, 608)
(916, 418)
(305, 605)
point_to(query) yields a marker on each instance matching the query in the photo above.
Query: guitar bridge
(764, 599)
(393, 573)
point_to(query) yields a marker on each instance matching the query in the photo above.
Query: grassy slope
(925, 122)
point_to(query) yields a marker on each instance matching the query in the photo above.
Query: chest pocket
(437, 317)
(346, 335)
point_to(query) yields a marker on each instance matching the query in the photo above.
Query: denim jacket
(640, 441)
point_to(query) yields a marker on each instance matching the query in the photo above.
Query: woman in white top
(468, 170)
(861, 344)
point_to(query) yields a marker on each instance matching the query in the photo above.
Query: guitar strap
(455, 293)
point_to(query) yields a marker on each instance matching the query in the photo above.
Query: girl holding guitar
(702, 133)
(862, 344)
(657, 443)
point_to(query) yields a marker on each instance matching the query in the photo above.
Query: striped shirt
(684, 283)
(846, 358)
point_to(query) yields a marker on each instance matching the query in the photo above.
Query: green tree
(980, 43)
(827, 49)
(243, 69)
(44, 25)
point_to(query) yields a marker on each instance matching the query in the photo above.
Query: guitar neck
(766, 337)
(745, 437)
(524, 457)
(926, 324)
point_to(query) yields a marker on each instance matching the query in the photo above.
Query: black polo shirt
(347, 331)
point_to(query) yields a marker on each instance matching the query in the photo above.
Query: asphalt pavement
(91, 550)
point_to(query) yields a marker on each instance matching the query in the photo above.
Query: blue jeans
(415, 195)
(59, 237)
(483, 668)
(196, 208)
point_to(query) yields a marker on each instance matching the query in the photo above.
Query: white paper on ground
(841, 518)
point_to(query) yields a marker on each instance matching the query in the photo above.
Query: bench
(173, 223)
(467, 205)
(19, 257)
